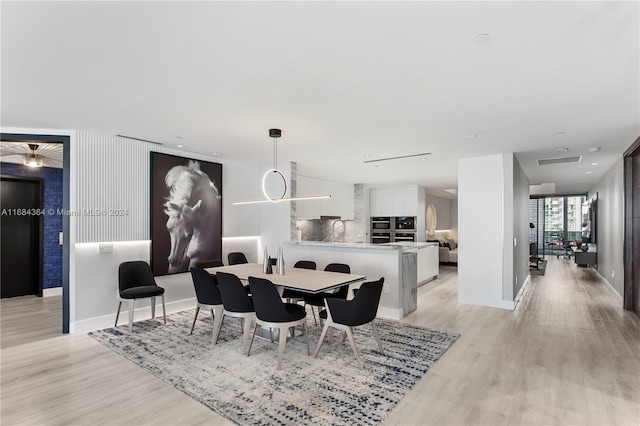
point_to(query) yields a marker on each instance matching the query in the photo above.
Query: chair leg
(118, 313)
(306, 336)
(283, 342)
(132, 303)
(354, 347)
(255, 331)
(195, 317)
(375, 333)
(324, 333)
(164, 311)
(247, 331)
(314, 315)
(217, 325)
(153, 308)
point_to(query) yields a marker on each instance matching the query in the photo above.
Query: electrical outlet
(515, 242)
(60, 238)
(105, 248)
(613, 274)
(516, 280)
(387, 290)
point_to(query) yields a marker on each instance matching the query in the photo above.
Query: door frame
(40, 183)
(65, 139)
(629, 252)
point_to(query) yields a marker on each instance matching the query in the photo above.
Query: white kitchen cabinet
(402, 201)
(340, 204)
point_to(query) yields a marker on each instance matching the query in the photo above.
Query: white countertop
(404, 245)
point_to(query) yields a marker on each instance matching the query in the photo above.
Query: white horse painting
(193, 208)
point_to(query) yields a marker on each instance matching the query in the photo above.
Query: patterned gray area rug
(328, 390)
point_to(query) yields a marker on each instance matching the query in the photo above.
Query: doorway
(631, 298)
(21, 236)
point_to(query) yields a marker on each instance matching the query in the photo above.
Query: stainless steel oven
(404, 237)
(405, 223)
(380, 223)
(379, 237)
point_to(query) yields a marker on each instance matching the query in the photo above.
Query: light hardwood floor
(567, 355)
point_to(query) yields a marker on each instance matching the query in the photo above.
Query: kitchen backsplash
(322, 230)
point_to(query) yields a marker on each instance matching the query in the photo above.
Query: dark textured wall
(52, 262)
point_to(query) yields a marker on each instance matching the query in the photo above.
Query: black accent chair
(237, 303)
(237, 258)
(294, 295)
(272, 312)
(345, 314)
(135, 281)
(212, 263)
(208, 296)
(317, 300)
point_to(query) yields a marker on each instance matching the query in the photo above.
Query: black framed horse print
(186, 212)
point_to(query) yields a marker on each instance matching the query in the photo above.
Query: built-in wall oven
(380, 237)
(380, 223)
(407, 223)
(404, 237)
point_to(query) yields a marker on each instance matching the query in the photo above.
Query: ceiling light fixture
(482, 37)
(275, 134)
(33, 159)
(561, 149)
(594, 149)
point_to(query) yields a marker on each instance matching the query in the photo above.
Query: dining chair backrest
(343, 268)
(237, 258)
(362, 309)
(305, 264)
(267, 301)
(135, 274)
(234, 296)
(206, 286)
(211, 263)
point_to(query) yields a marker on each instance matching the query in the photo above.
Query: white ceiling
(341, 79)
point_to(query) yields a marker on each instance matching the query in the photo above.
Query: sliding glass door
(555, 223)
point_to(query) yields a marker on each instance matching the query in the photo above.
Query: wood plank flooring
(567, 355)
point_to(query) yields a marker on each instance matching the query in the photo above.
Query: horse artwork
(191, 204)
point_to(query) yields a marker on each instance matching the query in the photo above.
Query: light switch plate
(105, 248)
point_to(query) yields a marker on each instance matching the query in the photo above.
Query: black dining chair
(272, 312)
(135, 281)
(317, 300)
(345, 314)
(294, 295)
(237, 303)
(208, 297)
(237, 258)
(211, 263)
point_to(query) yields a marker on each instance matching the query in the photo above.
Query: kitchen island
(398, 263)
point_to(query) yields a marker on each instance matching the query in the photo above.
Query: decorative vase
(266, 263)
(280, 262)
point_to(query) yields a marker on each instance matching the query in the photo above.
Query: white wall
(610, 227)
(486, 230)
(520, 227)
(111, 172)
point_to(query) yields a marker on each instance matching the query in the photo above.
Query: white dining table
(305, 280)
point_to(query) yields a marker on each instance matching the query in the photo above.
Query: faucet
(333, 229)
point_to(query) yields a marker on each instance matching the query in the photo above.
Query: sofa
(447, 251)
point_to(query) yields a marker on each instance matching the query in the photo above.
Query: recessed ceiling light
(560, 134)
(367, 156)
(482, 37)
(589, 173)
(320, 162)
(215, 153)
(561, 149)
(594, 164)
(594, 149)
(472, 136)
(178, 137)
(180, 146)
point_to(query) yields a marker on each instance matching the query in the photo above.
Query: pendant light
(33, 159)
(275, 134)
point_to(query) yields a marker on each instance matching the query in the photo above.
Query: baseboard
(389, 313)
(521, 292)
(48, 292)
(106, 321)
(612, 290)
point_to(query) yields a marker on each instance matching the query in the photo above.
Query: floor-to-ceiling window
(555, 223)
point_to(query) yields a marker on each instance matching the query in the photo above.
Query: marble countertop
(386, 246)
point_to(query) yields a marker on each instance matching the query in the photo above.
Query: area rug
(327, 390)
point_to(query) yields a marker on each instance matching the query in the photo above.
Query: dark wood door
(632, 228)
(20, 248)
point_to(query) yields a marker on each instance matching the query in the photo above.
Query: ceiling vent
(560, 160)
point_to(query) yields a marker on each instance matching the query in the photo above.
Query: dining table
(304, 280)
